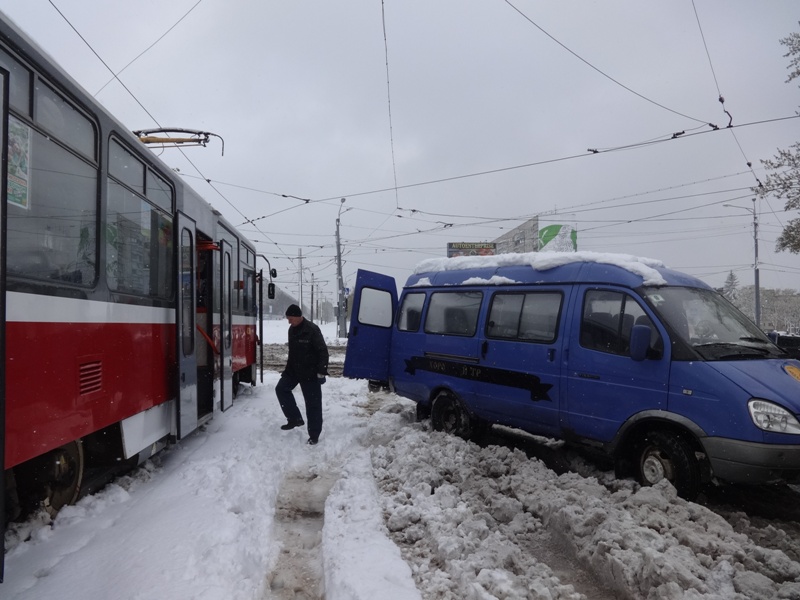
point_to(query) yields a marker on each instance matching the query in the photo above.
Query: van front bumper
(736, 461)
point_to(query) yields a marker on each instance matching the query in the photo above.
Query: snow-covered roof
(542, 261)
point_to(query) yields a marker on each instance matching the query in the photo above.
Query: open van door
(370, 337)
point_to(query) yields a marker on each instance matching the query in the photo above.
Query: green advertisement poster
(558, 238)
(19, 155)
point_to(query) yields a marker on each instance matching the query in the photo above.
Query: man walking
(307, 365)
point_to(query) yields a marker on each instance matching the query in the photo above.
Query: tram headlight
(771, 417)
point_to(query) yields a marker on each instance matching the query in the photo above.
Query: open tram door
(225, 327)
(3, 184)
(186, 417)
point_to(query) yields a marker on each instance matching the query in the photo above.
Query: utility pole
(755, 267)
(341, 316)
(300, 276)
(312, 296)
(756, 284)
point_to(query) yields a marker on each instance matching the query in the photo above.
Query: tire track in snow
(299, 517)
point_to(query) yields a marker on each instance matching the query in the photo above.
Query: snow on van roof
(542, 261)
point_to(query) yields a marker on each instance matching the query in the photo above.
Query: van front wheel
(667, 456)
(448, 415)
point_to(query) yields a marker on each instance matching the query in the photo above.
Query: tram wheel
(63, 475)
(235, 382)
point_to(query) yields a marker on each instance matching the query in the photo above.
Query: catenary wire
(606, 75)
(143, 52)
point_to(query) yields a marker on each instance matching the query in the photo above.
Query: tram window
(226, 301)
(64, 121)
(249, 301)
(187, 283)
(52, 210)
(158, 191)
(138, 245)
(20, 88)
(234, 242)
(125, 167)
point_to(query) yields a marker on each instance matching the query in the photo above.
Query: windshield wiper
(742, 352)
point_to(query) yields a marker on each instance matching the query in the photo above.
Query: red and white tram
(128, 305)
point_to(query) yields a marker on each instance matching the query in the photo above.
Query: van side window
(608, 318)
(453, 313)
(528, 316)
(410, 312)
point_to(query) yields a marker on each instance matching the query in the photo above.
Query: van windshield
(710, 325)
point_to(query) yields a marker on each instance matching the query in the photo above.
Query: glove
(321, 378)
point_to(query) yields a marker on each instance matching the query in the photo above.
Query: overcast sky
(494, 105)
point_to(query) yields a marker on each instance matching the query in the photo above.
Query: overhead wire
(720, 96)
(397, 187)
(389, 100)
(601, 72)
(338, 197)
(143, 52)
(552, 160)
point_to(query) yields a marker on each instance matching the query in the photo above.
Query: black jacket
(308, 354)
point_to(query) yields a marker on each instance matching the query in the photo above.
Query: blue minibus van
(615, 353)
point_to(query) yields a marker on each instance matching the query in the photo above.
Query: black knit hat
(294, 311)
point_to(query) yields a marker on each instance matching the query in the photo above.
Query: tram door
(186, 401)
(226, 327)
(3, 183)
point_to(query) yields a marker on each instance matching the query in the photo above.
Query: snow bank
(472, 523)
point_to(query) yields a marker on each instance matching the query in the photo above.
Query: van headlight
(771, 417)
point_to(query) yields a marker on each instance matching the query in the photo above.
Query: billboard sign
(558, 238)
(470, 249)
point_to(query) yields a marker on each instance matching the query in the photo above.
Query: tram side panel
(69, 376)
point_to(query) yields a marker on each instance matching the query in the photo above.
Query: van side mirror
(271, 290)
(640, 342)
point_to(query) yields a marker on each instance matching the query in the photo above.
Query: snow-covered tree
(731, 288)
(784, 180)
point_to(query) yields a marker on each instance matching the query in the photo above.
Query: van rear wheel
(665, 455)
(449, 415)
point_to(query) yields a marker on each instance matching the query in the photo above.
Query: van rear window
(375, 308)
(453, 313)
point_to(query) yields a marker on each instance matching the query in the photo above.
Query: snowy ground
(385, 509)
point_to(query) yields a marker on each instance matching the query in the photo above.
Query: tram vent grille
(91, 377)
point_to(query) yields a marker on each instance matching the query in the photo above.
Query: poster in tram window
(19, 155)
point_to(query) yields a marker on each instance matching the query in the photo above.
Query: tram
(128, 304)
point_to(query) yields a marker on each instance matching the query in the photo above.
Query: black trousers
(312, 394)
